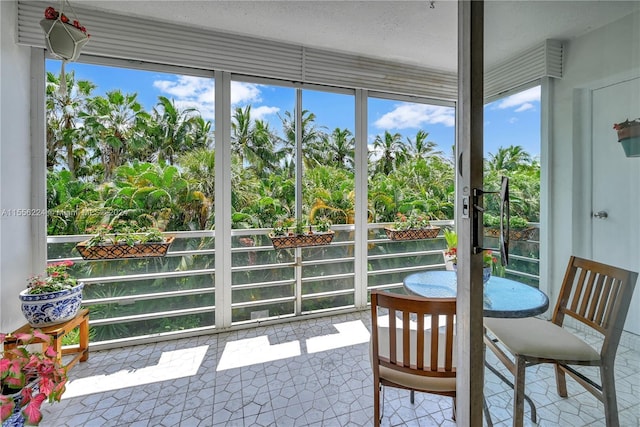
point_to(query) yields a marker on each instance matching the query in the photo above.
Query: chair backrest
(597, 295)
(402, 346)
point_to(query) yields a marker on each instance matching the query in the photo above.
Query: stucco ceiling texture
(410, 32)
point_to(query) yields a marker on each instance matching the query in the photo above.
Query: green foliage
(108, 160)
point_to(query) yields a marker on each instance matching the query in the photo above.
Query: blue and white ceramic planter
(16, 419)
(51, 308)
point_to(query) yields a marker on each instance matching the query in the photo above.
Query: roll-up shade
(140, 39)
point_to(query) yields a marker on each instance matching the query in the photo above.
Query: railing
(137, 300)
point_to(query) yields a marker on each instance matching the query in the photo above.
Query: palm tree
(339, 148)
(391, 150)
(62, 110)
(421, 148)
(313, 150)
(253, 142)
(509, 159)
(199, 167)
(116, 127)
(172, 130)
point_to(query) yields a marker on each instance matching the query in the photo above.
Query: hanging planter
(413, 227)
(64, 38)
(412, 233)
(300, 240)
(127, 240)
(124, 250)
(629, 136)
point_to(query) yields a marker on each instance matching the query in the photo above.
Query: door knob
(600, 214)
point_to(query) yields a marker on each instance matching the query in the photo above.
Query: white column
(361, 189)
(223, 198)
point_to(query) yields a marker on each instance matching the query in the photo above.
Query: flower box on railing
(520, 234)
(412, 233)
(299, 240)
(124, 250)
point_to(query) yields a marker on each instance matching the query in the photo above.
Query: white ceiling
(396, 30)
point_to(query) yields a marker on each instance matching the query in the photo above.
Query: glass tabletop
(502, 297)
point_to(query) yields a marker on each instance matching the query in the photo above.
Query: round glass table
(502, 297)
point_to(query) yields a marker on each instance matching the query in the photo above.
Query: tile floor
(312, 372)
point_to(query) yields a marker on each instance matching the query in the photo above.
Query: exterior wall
(15, 169)
(608, 54)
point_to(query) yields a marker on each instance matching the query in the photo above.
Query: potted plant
(451, 256)
(629, 136)
(64, 37)
(282, 238)
(519, 228)
(52, 299)
(412, 227)
(28, 379)
(125, 239)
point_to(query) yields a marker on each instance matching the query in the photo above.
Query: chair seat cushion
(539, 338)
(417, 382)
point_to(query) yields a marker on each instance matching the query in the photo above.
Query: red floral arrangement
(51, 13)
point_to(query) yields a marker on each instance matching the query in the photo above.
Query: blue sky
(514, 120)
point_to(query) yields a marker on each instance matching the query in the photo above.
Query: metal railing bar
(263, 267)
(328, 261)
(75, 238)
(270, 319)
(256, 285)
(406, 254)
(327, 294)
(326, 311)
(522, 274)
(149, 316)
(152, 338)
(141, 297)
(406, 269)
(262, 302)
(386, 286)
(328, 277)
(524, 258)
(147, 276)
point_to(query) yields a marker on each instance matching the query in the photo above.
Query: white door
(616, 186)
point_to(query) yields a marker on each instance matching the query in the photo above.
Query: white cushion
(417, 382)
(540, 338)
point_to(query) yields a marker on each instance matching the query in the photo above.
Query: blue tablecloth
(502, 297)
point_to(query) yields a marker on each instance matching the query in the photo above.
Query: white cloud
(190, 92)
(521, 99)
(524, 107)
(258, 113)
(407, 115)
(199, 93)
(512, 120)
(244, 93)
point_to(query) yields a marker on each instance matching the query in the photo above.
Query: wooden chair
(596, 295)
(406, 354)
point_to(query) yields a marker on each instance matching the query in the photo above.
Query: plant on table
(30, 378)
(451, 237)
